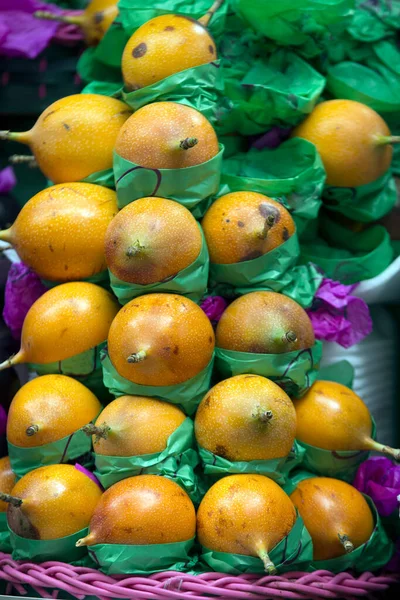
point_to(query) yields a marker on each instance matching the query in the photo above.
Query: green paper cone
(277, 469)
(293, 174)
(102, 279)
(189, 186)
(190, 282)
(274, 271)
(187, 395)
(177, 462)
(341, 464)
(85, 367)
(365, 203)
(360, 256)
(341, 372)
(5, 543)
(293, 553)
(104, 178)
(294, 371)
(116, 559)
(24, 460)
(61, 549)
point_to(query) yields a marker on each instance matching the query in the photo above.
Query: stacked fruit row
(198, 419)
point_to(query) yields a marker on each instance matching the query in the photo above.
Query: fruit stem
(187, 143)
(19, 159)
(377, 447)
(134, 249)
(13, 500)
(290, 337)
(24, 137)
(205, 19)
(383, 140)
(269, 221)
(268, 564)
(346, 543)
(16, 359)
(6, 235)
(136, 357)
(86, 541)
(263, 415)
(31, 430)
(99, 432)
(49, 16)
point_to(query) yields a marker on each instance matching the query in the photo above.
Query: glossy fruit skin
(234, 226)
(146, 509)
(330, 508)
(97, 19)
(67, 320)
(163, 46)
(168, 236)
(151, 137)
(42, 232)
(7, 480)
(228, 421)
(243, 514)
(138, 426)
(75, 136)
(346, 419)
(57, 404)
(58, 500)
(175, 333)
(344, 133)
(257, 322)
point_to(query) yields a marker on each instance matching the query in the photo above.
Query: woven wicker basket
(60, 580)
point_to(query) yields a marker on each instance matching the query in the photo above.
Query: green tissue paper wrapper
(5, 543)
(24, 460)
(293, 553)
(275, 271)
(189, 186)
(61, 549)
(116, 559)
(294, 371)
(190, 282)
(187, 395)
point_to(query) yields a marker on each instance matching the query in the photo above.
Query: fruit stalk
(136, 357)
(269, 221)
(188, 142)
(99, 432)
(384, 140)
(15, 359)
(49, 16)
(377, 447)
(13, 500)
(24, 137)
(6, 235)
(346, 543)
(205, 19)
(290, 337)
(31, 430)
(86, 541)
(268, 564)
(134, 249)
(264, 416)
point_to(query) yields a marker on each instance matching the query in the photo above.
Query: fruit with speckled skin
(57, 500)
(264, 323)
(152, 137)
(75, 136)
(151, 240)
(163, 46)
(246, 417)
(54, 406)
(352, 139)
(7, 480)
(245, 514)
(347, 423)
(141, 510)
(160, 340)
(42, 232)
(67, 320)
(245, 225)
(335, 514)
(135, 425)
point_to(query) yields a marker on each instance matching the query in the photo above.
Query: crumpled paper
(339, 317)
(3, 420)
(21, 34)
(23, 288)
(214, 306)
(379, 478)
(7, 175)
